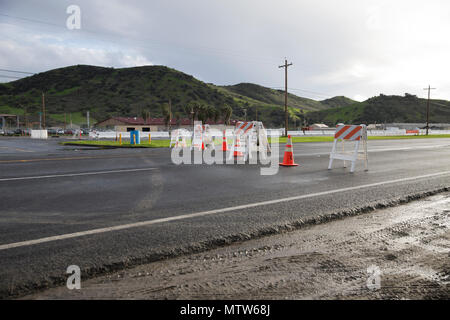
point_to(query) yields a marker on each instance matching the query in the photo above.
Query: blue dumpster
(135, 136)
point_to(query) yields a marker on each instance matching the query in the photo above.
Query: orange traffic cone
(288, 160)
(236, 146)
(203, 146)
(224, 142)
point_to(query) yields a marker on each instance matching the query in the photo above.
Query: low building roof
(320, 125)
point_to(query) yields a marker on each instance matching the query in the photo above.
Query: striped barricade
(356, 134)
(242, 128)
(197, 137)
(249, 137)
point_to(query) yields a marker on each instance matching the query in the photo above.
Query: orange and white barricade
(354, 134)
(197, 138)
(178, 138)
(181, 142)
(245, 140)
(173, 138)
(207, 138)
(249, 136)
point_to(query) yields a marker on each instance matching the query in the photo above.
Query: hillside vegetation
(385, 109)
(143, 91)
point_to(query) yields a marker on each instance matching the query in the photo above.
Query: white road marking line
(76, 174)
(206, 213)
(376, 150)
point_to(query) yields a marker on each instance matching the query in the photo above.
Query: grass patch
(11, 110)
(116, 144)
(166, 143)
(77, 118)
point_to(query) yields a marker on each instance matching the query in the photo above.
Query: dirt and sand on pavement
(395, 253)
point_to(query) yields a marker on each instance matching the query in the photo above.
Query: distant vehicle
(19, 131)
(85, 131)
(2, 132)
(60, 131)
(52, 131)
(69, 131)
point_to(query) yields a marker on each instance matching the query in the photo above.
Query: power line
(304, 90)
(30, 20)
(15, 71)
(230, 53)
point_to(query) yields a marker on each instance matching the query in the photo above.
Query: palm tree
(216, 115)
(210, 112)
(166, 114)
(202, 112)
(178, 118)
(226, 111)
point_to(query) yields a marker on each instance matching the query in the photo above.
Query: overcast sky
(356, 48)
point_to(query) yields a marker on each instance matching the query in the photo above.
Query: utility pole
(87, 118)
(428, 106)
(26, 117)
(285, 66)
(43, 111)
(170, 113)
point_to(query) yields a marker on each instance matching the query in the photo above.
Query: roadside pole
(285, 66)
(428, 106)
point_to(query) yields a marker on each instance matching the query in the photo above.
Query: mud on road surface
(409, 245)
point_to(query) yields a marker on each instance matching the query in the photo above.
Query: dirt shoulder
(395, 253)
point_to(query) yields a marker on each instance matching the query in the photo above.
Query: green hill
(141, 90)
(385, 109)
(269, 96)
(336, 102)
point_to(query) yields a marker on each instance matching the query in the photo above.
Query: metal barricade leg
(355, 157)
(333, 150)
(343, 152)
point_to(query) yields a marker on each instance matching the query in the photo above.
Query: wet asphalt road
(51, 190)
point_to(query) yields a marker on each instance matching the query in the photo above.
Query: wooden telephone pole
(43, 111)
(428, 106)
(170, 114)
(285, 66)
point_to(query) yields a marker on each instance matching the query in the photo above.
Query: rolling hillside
(385, 109)
(260, 94)
(141, 90)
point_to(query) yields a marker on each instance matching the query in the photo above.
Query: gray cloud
(353, 47)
